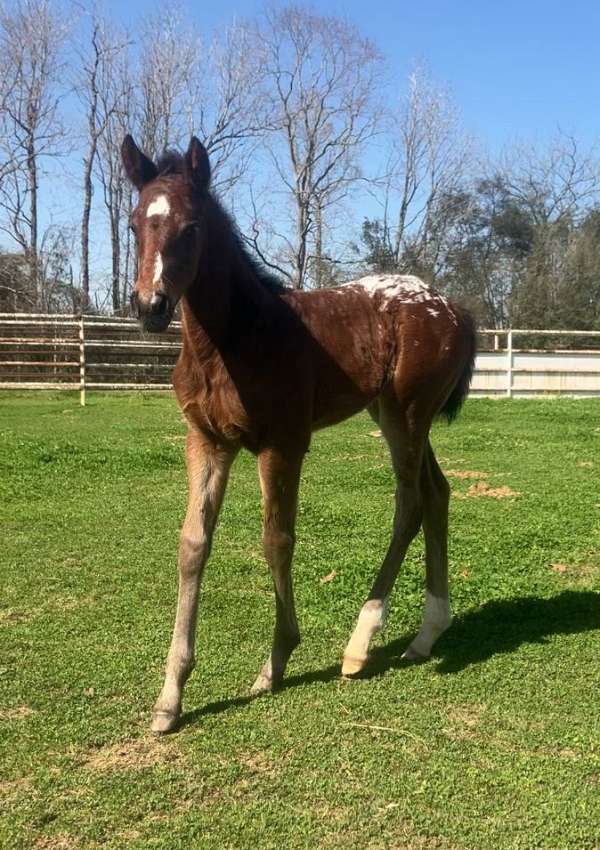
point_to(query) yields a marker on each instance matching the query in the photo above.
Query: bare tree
(100, 101)
(212, 90)
(426, 165)
(321, 76)
(226, 105)
(32, 35)
(116, 103)
(554, 182)
(168, 58)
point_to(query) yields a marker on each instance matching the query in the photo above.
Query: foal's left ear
(196, 160)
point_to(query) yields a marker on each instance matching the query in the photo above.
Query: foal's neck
(226, 298)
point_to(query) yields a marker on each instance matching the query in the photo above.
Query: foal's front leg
(279, 480)
(208, 468)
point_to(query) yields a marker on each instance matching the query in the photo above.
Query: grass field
(494, 744)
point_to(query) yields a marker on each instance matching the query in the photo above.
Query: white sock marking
(370, 620)
(437, 616)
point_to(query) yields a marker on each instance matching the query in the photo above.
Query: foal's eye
(189, 229)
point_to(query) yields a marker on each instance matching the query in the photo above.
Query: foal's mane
(172, 163)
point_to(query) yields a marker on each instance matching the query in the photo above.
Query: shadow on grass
(501, 626)
(497, 627)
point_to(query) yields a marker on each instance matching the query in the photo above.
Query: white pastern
(159, 206)
(437, 617)
(158, 268)
(370, 620)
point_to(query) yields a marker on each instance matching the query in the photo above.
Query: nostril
(159, 304)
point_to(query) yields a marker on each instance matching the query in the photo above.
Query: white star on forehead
(159, 206)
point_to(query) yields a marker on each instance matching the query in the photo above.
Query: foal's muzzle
(154, 315)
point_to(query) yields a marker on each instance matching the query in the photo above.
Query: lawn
(494, 744)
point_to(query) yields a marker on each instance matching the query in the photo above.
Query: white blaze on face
(159, 206)
(158, 268)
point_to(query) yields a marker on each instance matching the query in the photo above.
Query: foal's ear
(138, 167)
(198, 166)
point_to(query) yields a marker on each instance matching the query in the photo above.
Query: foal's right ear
(138, 167)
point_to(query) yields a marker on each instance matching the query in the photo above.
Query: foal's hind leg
(208, 469)
(406, 442)
(437, 615)
(279, 480)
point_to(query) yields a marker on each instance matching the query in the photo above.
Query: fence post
(496, 342)
(509, 369)
(81, 362)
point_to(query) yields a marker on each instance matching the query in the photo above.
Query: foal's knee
(193, 553)
(278, 545)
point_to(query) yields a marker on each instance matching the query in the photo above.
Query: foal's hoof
(164, 722)
(263, 685)
(412, 654)
(351, 666)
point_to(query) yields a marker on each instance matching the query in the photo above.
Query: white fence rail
(90, 352)
(508, 368)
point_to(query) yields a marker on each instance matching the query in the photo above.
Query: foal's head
(168, 224)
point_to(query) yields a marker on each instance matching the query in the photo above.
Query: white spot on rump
(159, 206)
(405, 288)
(158, 268)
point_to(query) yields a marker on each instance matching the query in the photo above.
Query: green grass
(493, 744)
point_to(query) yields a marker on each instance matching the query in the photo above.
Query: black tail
(459, 393)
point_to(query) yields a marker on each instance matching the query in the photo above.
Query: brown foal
(261, 367)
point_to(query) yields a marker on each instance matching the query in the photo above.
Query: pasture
(493, 744)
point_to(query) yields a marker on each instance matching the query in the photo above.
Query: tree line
(304, 130)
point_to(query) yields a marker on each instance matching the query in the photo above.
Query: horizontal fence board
(40, 351)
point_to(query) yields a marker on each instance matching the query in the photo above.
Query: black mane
(170, 162)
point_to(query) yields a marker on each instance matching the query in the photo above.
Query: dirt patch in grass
(134, 754)
(466, 474)
(259, 763)
(14, 786)
(62, 841)
(482, 488)
(10, 616)
(462, 721)
(16, 713)
(577, 573)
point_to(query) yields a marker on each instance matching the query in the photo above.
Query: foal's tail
(461, 389)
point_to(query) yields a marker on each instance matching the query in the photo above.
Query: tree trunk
(85, 225)
(34, 269)
(116, 261)
(318, 246)
(127, 261)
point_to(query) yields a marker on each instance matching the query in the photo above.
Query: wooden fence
(93, 352)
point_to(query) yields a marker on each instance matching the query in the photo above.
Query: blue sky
(517, 69)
